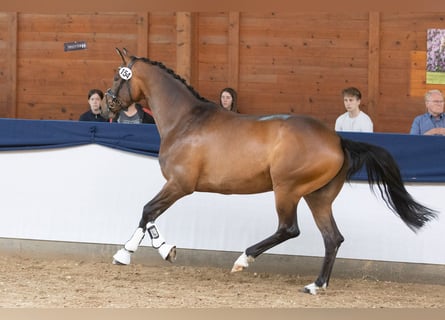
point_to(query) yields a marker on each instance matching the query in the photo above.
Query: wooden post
(233, 50)
(374, 66)
(143, 31)
(184, 45)
(11, 68)
(194, 76)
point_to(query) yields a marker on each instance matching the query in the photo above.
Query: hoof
(172, 255)
(237, 268)
(242, 262)
(122, 257)
(168, 252)
(313, 288)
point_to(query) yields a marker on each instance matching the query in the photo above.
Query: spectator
(433, 121)
(227, 99)
(135, 113)
(95, 97)
(353, 119)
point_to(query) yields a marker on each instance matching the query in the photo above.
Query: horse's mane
(174, 75)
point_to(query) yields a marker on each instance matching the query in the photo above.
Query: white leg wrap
(313, 288)
(164, 250)
(123, 256)
(133, 244)
(157, 240)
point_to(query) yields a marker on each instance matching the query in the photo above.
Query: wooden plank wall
(278, 62)
(402, 67)
(8, 64)
(299, 63)
(52, 83)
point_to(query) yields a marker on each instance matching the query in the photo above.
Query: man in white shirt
(353, 119)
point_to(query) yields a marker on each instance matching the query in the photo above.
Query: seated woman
(95, 96)
(227, 99)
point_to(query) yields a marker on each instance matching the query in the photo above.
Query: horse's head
(124, 90)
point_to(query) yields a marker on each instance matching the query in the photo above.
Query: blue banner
(421, 158)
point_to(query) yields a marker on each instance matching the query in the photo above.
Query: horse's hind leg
(287, 228)
(169, 194)
(320, 203)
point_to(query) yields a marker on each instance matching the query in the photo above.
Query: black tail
(384, 172)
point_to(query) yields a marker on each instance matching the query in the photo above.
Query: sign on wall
(435, 59)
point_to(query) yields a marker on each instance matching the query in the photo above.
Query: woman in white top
(353, 119)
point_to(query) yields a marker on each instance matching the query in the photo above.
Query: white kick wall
(95, 194)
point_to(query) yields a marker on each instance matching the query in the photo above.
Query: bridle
(125, 75)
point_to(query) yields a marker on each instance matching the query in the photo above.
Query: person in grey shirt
(134, 114)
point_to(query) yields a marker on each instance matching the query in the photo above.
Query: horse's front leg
(153, 209)
(167, 251)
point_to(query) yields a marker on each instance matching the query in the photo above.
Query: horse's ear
(122, 54)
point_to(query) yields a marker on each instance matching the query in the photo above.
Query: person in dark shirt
(135, 113)
(95, 97)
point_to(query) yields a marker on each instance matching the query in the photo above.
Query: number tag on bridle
(125, 73)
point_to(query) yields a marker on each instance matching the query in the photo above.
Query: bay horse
(294, 156)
